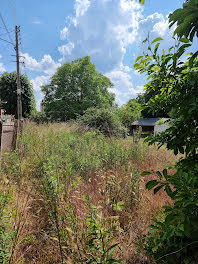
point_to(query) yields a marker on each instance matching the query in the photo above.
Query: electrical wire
(7, 41)
(7, 33)
(6, 29)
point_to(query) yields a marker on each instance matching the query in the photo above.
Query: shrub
(174, 239)
(105, 120)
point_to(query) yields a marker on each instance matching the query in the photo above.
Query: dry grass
(37, 241)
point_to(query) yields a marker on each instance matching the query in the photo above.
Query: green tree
(75, 87)
(8, 94)
(143, 99)
(175, 238)
(129, 112)
(175, 83)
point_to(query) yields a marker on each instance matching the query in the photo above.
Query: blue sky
(110, 31)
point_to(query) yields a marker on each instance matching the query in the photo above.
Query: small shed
(149, 126)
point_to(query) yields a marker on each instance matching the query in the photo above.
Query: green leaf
(156, 48)
(169, 191)
(159, 174)
(192, 58)
(157, 39)
(184, 40)
(146, 173)
(111, 249)
(158, 188)
(138, 58)
(165, 173)
(187, 229)
(151, 184)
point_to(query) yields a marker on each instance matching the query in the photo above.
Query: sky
(109, 31)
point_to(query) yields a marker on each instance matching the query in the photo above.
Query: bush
(105, 120)
(174, 239)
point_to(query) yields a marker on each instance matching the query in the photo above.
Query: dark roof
(147, 121)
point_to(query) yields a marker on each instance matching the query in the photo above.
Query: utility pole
(19, 101)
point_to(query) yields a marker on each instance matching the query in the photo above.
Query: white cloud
(46, 65)
(2, 68)
(36, 22)
(137, 90)
(123, 86)
(161, 27)
(125, 68)
(81, 7)
(39, 81)
(66, 49)
(102, 29)
(63, 33)
(156, 25)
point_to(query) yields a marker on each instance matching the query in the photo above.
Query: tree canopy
(174, 85)
(8, 94)
(75, 87)
(129, 112)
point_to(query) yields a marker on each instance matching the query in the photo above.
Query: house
(147, 126)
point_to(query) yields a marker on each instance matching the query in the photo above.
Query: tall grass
(54, 169)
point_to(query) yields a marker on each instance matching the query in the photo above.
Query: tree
(129, 112)
(143, 100)
(174, 83)
(75, 87)
(174, 239)
(8, 94)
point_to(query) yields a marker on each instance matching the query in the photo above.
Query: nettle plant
(172, 84)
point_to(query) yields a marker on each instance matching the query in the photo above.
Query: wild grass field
(69, 195)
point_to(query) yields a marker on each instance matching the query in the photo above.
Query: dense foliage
(174, 85)
(129, 112)
(8, 94)
(105, 120)
(75, 87)
(186, 19)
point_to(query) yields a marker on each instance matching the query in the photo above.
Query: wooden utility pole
(19, 101)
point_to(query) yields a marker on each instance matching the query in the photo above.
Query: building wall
(144, 130)
(160, 128)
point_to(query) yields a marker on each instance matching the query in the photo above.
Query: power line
(7, 33)
(6, 29)
(7, 41)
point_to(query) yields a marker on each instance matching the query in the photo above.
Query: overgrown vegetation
(77, 197)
